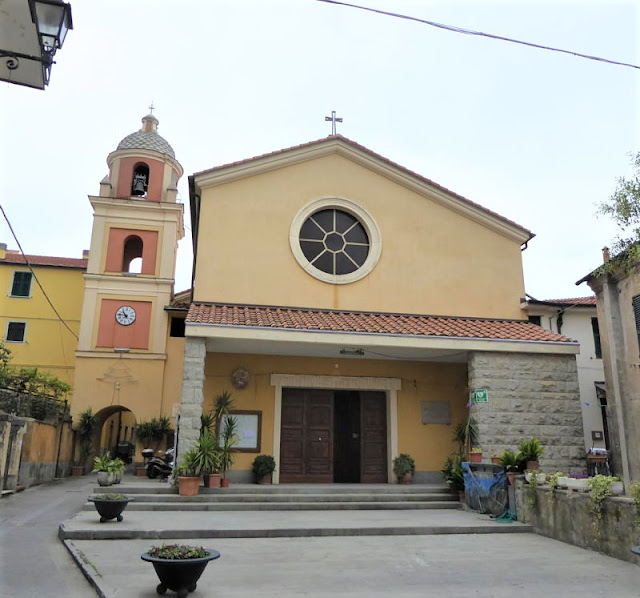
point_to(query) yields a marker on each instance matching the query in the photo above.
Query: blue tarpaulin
(485, 487)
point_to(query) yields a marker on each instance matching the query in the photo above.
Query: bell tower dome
(143, 166)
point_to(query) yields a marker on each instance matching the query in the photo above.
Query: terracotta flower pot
(224, 482)
(188, 486)
(265, 479)
(475, 457)
(407, 478)
(212, 480)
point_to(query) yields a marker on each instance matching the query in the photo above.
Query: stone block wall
(195, 352)
(530, 395)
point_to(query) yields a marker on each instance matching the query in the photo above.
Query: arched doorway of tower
(116, 432)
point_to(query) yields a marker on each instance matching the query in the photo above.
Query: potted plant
(208, 459)
(263, 468)
(104, 467)
(110, 506)
(530, 453)
(118, 470)
(229, 440)
(475, 455)
(510, 462)
(179, 566)
(453, 475)
(188, 474)
(85, 431)
(404, 467)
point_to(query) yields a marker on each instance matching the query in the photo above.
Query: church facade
(353, 307)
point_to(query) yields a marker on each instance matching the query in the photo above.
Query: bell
(139, 186)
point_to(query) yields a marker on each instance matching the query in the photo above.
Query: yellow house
(353, 307)
(31, 329)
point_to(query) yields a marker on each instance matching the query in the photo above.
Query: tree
(623, 206)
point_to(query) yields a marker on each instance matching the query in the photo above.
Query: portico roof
(368, 323)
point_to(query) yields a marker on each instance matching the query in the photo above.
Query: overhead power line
(35, 276)
(480, 33)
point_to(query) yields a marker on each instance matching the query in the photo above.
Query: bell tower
(136, 228)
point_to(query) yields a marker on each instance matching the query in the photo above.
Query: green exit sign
(480, 395)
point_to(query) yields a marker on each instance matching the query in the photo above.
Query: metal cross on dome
(333, 120)
(151, 108)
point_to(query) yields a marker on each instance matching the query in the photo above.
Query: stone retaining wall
(530, 395)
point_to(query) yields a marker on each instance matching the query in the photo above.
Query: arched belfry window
(140, 180)
(132, 256)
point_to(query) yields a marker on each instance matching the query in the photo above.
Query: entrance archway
(116, 432)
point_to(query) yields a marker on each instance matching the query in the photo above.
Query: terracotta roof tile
(45, 260)
(295, 318)
(574, 301)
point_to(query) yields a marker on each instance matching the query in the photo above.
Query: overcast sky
(539, 137)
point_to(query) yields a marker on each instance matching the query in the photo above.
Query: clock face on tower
(126, 315)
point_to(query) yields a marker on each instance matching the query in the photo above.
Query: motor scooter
(158, 466)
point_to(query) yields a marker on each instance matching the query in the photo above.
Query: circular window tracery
(335, 240)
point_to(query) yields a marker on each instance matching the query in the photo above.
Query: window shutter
(596, 335)
(636, 313)
(21, 284)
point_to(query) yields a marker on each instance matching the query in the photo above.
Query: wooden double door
(331, 436)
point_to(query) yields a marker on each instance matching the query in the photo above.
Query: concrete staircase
(288, 497)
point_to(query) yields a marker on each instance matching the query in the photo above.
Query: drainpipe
(615, 380)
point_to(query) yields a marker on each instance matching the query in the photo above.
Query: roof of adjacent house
(325, 320)
(44, 260)
(377, 156)
(572, 302)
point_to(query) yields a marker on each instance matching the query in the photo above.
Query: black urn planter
(110, 508)
(180, 575)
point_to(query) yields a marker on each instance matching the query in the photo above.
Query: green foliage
(510, 461)
(104, 463)
(208, 455)
(111, 496)
(207, 422)
(601, 489)
(85, 430)
(530, 450)
(635, 494)
(177, 552)
(623, 206)
(552, 479)
(263, 465)
(452, 471)
(403, 464)
(222, 405)
(466, 435)
(189, 467)
(229, 440)
(155, 429)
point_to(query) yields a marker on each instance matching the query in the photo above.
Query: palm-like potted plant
(189, 474)
(530, 453)
(179, 566)
(263, 468)
(229, 440)
(404, 467)
(110, 505)
(510, 462)
(85, 431)
(208, 459)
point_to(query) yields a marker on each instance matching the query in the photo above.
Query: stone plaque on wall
(436, 412)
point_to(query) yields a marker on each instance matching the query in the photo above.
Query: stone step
(156, 487)
(283, 506)
(285, 498)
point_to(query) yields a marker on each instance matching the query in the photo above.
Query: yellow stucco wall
(428, 444)
(48, 344)
(434, 260)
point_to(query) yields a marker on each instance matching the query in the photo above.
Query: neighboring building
(352, 305)
(31, 329)
(577, 318)
(129, 355)
(617, 288)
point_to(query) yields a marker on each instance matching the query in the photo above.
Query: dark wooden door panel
(306, 447)
(373, 410)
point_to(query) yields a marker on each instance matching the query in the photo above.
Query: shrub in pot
(188, 474)
(179, 566)
(404, 467)
(104, 467)
(208, 458)
(110, 506)
(263, 468)
(229, 440)
(530, 452)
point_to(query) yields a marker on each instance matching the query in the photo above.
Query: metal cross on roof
(333, 120)
(151, 108)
